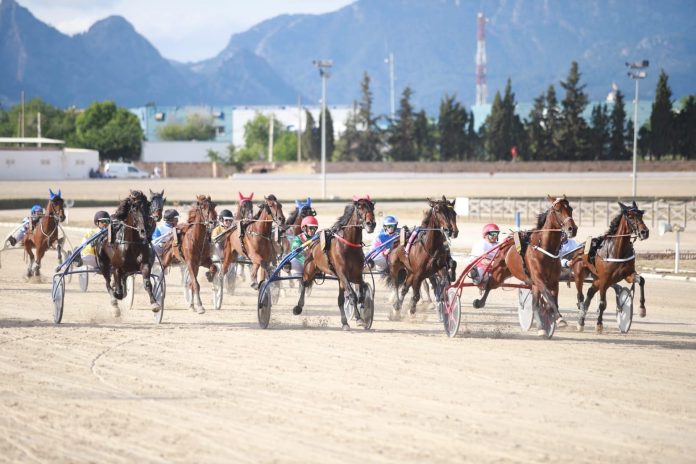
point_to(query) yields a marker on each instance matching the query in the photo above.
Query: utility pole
(299, 128)
(390, 62)
(270, 139)
(636, 71)
(323, 65)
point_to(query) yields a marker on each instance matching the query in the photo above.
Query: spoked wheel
(58, 297)
(547, 317)
(275, 292)
(367, 312)
(159, 291)
(624, 309)
(126, 303)
(263, 308)
(452, 316)
(348, 307)
(188, 293)
(231, 279)
(525, 309)
(218, 287)
(83, 278)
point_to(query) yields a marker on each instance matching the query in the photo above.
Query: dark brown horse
(44, 234)
(254, 240)
(126, 248)
(340, 254)
(614, 261)
(427, 252)
(157, 201)
(194, 249)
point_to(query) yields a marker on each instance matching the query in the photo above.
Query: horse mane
(427, 217)
(343, 220)
(614, 224)
(292, 217)
(541, 219)
(122, 209)
(272, 198)
(262, 207)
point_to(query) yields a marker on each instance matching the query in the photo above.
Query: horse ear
(622, 206)
(152, 194)
(453, 202)
(443, 198)
(251, 197)
(635, 206)
(564, 197)
(548, 197)
(58, 192)
(51, 194)
(162, 192)
(309, 201)
(298, 205)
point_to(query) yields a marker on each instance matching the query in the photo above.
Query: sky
(183, 30)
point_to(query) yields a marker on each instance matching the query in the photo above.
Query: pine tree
(348, 145)
(617, 129)
(686, 128)
(504, 130)
(572, 133)
(401, 135)
(424, 137)
(536, 132)
(452, 129)
(370, 142)
(330, 143)
(552, 124)
(599, 133)
(661, 119)
(311, 141)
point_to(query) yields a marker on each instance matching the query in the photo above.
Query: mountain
(531, 42)
(113, 61)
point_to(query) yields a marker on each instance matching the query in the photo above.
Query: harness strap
(538, 248)
(619, 260)
(346, 242)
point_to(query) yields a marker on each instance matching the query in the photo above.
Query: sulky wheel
(624, 309)
(452, 316)
(159, 288)
(525, 309)
(218, 287)
(348, 307)
(58, 297)
(367, 312)
(264, 304)
(547, 317)
(231, 279)
(83, 278)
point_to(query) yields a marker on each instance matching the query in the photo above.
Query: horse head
(276, 209)
(445, 216)
(634, 218)
(365, 208)
(245, 207)
(157, 205)
(206, 206)
(138, 214)
(56, 206)
(563, 214)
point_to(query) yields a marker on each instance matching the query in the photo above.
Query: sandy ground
(216, 388)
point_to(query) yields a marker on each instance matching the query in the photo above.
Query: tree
(504, 130)
(347, 148)
(571, 136)
(311, 139)
(452, 126)
(599, 135)
(536, 131)
(661, 119)
(686, 128)
(424, 137)
(114, 132)
(197, 127)
(369, 141)
(401, 134)
(617, 129)
(330, 143)
(55, 123)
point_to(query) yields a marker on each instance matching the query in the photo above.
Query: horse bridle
(557, 214)
(361, 217)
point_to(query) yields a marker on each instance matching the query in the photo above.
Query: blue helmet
(390, 221)
(36, 209)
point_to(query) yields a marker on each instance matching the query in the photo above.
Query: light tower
(481, 87)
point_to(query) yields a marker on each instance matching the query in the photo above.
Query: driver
(163, 232)
(488, 241)
(88, 254)
(309, 228)
(225, 221)
(35, 214)
(388, 232)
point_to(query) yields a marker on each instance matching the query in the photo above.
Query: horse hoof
(541, 332)
(155, 307)
(297, 310)
(191, 308)
(642, 312)
(360, 323)
(201, 310)
(254, 285)
(116, 311)
(209, 276)
(560, 323)
(581, 328)
(394, 315)
(599, 329)
(345, 327)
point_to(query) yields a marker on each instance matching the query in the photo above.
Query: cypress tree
(661, 119)
(401, 136)
(572, 132)
(617, 129)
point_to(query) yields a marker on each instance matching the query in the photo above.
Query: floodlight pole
(323, 65)
(636, 73)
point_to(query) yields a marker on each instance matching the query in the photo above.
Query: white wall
(180, 151)
(47, 163)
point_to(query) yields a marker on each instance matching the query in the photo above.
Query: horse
(45, 234)
(341, 254)
(614, 261)
(194, 247)
(157, 201)
(427, 253)
(126, 250)
(255, 240)
(536, 262)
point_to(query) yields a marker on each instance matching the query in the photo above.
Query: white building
(34, 158)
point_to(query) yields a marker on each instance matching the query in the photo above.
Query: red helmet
(309, 221)
(490, 228)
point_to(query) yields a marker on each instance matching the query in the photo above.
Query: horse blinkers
(368, 217)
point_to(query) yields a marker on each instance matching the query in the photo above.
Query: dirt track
(215, 388)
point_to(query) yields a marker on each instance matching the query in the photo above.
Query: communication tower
(481, 87)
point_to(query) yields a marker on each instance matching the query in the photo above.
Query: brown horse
(538, 263)
(341, 254)
(427, 254)
(195, 249)
(45, 234)
(614, 261)
(245, 207)
(254, 240)
(126, 250)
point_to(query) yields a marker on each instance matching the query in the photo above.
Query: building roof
(36, 140)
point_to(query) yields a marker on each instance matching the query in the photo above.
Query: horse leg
(641, 282)
(307, 277)
(30, 269)
(579, 280)
(536, 307)
(196, 289)
(342, 287)
(416, 286)
(106, 272)
(481, 302)
(560, 322)
(586, 304)
(602, 306)
(254, 271)
(145, 271)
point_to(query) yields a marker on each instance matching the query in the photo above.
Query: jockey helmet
(488, 228)
(390, 221)
(309, 221)
(226, 214)
(170, 215)
(36, 209)
(100, 216)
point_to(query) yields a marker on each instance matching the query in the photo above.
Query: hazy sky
(184, 30)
